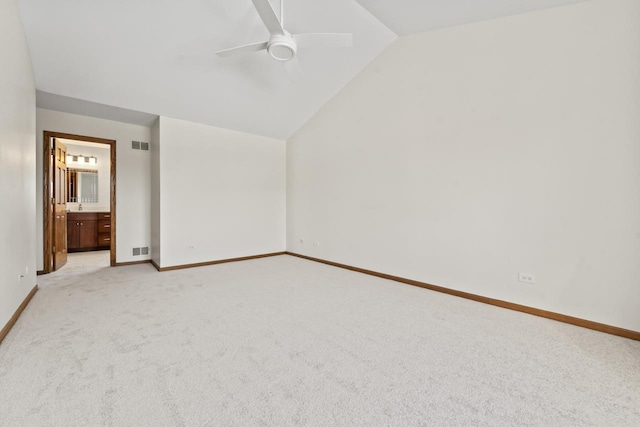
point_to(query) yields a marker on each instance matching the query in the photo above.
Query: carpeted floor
(284, 341)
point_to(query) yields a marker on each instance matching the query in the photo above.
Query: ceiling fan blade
(254, 47)
(324, 39)
(293, 69)
(269, 17)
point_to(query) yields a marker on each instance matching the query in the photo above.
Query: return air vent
(139, 145)
(141, 251)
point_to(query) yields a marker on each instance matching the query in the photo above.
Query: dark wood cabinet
(104, 230)
(86, 231)
(73, 234)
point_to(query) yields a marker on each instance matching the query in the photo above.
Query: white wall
(463, 156)
(17, 164)
(103, 167)
(222, 193)
(133, 176)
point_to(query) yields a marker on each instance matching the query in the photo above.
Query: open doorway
(78, 215)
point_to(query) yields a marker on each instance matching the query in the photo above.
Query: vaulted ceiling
(157, 57)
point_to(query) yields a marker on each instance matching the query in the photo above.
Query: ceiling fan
(282, 45)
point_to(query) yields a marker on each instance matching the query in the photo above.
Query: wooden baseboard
(601, 327)
(123, 264)
(16, 315)
(221, 261)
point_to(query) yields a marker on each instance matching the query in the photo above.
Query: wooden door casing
(48, 191)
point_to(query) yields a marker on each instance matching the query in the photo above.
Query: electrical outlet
(190, 247)
(527, 278)
(316, 243)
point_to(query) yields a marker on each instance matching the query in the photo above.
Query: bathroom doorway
(78, 216)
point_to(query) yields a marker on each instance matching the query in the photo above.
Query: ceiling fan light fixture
(282, 48)
(282, 45)
(281, 52)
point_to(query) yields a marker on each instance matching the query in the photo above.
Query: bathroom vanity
(88, 231)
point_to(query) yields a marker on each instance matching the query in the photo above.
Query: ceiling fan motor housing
(282, 47)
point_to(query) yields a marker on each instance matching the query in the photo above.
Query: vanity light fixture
(92, 160)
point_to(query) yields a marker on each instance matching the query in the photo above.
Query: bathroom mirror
(82, 186)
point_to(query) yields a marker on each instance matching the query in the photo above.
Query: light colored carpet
(284, 341)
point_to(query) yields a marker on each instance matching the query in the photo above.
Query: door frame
(46, 200)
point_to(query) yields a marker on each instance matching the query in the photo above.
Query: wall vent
(141, 251)
(144, 146)
(135, 145)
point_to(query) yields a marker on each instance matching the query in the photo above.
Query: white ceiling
(414, 16)
(157, 57)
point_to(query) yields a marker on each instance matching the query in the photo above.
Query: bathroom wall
(102, 166)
